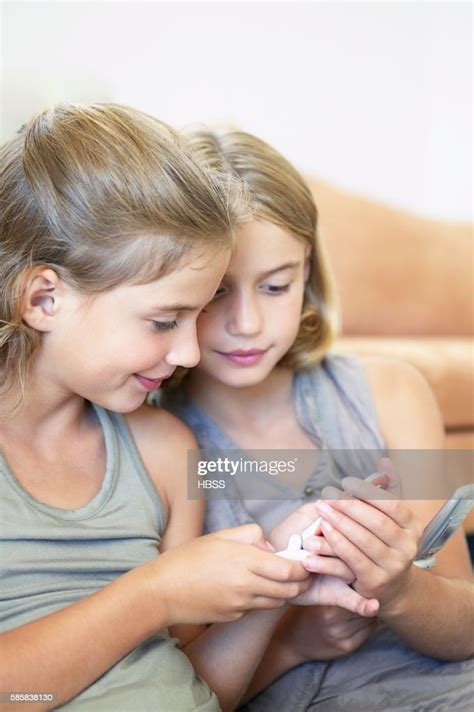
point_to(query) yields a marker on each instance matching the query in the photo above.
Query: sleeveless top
(52, 557)
(334, 407)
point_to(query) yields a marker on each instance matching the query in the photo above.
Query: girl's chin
(242, 378)
(122, 405)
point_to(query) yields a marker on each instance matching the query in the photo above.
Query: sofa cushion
(398, 274)
(446, 363)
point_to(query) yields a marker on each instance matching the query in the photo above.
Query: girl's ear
(41, 292)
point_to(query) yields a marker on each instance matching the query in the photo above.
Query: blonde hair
(279, 194)
(103, 194)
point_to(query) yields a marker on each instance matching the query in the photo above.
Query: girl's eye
(276, 289)
(164, 325)
(216, 296)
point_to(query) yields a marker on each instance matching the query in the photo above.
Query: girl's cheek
(207, 327)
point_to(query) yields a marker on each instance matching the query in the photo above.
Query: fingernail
(324, 507)
(325, 525)
(311, 561)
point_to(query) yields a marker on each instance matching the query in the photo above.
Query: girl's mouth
(149, 384)
(244, 358)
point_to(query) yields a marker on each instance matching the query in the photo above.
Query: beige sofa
(406, 289)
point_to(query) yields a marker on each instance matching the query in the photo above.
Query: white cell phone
(446, 522)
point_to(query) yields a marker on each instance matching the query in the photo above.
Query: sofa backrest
(398, 274)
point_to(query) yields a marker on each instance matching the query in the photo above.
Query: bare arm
(226, 655)
(435, 616)
(309, 633)
(66, 651)
(212, 578)
(433, 611)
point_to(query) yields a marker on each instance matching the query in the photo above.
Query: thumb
(345, 597)
(245, 534)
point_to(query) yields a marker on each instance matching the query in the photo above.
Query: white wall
(373, 96)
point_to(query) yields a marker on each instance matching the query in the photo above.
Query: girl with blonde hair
(112, 238)
(266, 380)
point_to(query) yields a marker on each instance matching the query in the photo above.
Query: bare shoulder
(163, 442)
(407, 409)
(410, 419)
(151, 425)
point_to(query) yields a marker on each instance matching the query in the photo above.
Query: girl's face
(117, 347)
(255, 315)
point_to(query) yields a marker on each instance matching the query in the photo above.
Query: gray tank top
(52, 557)
(334, 406)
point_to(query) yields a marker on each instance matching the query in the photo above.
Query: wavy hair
(279, 194)
(103, 194)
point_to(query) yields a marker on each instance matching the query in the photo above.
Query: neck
(47, 413)
(230, 406)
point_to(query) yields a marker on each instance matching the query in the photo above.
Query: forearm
(226, 655)
(277, 659)
(66, 651)
(435, 615)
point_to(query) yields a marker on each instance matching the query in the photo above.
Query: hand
(331, 588)
(218, 577)
(322, 632)
(332, 591)
(296, 522)
(374, 533)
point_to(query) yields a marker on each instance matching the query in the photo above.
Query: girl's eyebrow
(287, 265)
(175, 307)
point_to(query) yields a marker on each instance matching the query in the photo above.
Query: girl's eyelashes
(164, 325)
(275, 289)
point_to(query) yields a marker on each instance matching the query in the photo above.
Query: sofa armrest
(446, 363)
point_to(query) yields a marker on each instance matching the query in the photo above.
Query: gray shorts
(384, 675)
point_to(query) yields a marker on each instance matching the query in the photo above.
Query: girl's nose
(245, 317)
(184, 348)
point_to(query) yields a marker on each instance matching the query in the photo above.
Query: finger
(329, 565)
(377, 545)
(267, 602)
(384, 501)
(355, 486)
(346, 597)
(277, 568)
(386, 467)
(347, 629)
(378, 480)
(356, 640)
(245, 534)
(264, 545)
(355, 519)
(317, 545)
(356, 559)
(374, 485)
(296, 522)
(283, 591)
